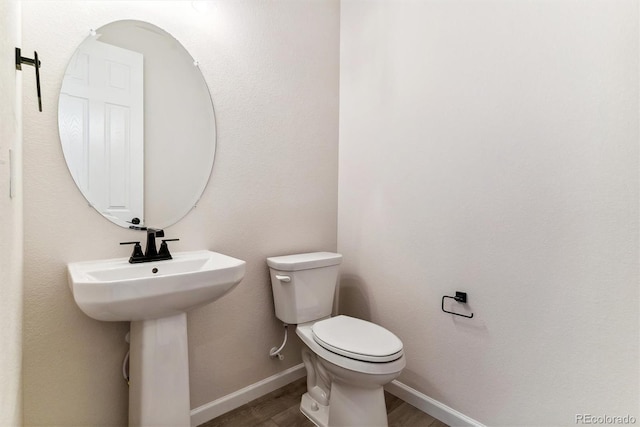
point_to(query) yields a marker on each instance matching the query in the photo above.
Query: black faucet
(150, 253)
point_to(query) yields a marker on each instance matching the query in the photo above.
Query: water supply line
(275, 352)
(125, 362)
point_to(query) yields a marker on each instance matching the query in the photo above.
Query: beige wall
(486, 146)
(492, 147)
(10, 215)
(273, 72)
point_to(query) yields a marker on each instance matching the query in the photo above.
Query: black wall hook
(35, 62)
(460, 297)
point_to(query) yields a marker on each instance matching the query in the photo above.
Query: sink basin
(114, 290)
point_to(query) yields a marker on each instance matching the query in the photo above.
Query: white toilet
(348, 360)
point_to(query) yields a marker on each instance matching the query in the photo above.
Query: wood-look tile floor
(281, 408)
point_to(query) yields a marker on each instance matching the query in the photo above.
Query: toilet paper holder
(460, 297)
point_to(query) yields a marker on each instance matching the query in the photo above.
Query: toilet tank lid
(304, 261)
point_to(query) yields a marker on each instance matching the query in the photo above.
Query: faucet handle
(163, 252)
(137, 251)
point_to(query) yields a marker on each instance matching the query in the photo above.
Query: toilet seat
(306, 335)
(357, 339)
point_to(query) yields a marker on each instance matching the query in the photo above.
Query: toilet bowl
(348, 360)
(354, 394)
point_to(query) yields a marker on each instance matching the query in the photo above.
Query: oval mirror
(137, 125)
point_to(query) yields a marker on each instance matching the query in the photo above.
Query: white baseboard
(227, 403)
(431, 406)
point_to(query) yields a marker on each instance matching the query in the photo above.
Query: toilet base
(317, 414)
(359, 406)
(350, 407)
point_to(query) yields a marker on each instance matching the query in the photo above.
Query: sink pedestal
(159, 373)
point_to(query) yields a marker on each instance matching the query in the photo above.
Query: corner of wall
(11, 228)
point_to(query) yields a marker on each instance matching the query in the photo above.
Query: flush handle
(285, 279)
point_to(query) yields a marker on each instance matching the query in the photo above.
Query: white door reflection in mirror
(101, 127)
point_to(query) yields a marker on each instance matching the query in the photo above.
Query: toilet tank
(304, 285)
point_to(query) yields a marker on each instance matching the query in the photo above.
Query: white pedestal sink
(154, 297)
